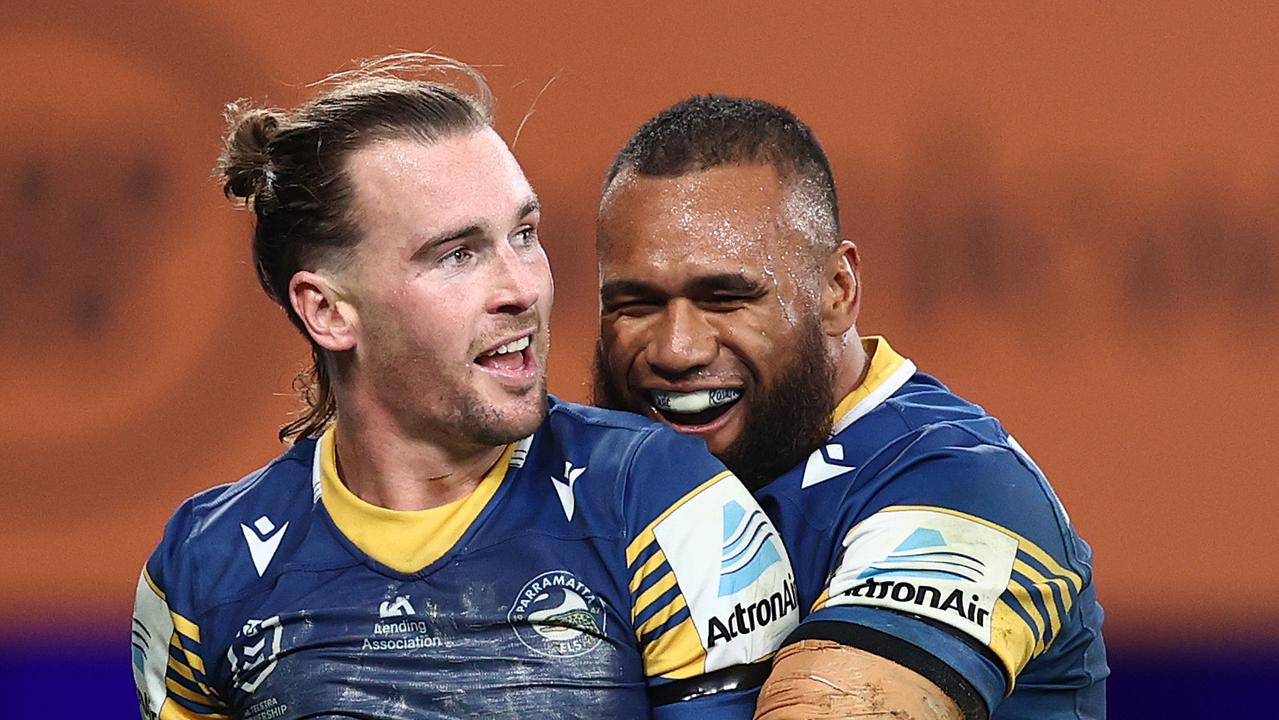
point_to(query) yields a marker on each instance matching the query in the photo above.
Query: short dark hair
(290, 169)
(709, 131)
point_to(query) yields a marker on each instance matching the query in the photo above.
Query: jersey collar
(406, 541)
(888, 371)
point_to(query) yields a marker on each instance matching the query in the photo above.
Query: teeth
(694, 402)
(510, 347)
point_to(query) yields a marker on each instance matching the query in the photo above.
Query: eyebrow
(702, 286)
(529, 207)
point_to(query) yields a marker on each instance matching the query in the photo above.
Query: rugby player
(939, 574)
(442, 539)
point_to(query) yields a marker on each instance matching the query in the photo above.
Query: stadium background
(1066, 211)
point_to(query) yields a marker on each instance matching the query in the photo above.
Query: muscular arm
(824, 680)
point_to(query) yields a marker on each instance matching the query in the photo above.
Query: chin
(515, 418)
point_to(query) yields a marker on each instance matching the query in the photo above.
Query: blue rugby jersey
(921, 531)
(606, 567)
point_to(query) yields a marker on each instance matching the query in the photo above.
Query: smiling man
(443, 540)
(940, 576)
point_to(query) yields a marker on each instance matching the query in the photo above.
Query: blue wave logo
(925, 554)
(749, 548)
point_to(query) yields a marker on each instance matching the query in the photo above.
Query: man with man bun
(940, 576)
(442, 539)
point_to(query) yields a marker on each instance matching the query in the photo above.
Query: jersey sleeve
(169, 661)
(959, 566)
(711, 586)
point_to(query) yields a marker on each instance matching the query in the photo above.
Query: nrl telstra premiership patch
(926, 562)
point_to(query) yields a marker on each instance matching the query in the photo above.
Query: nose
(682, 340)
(518, 281)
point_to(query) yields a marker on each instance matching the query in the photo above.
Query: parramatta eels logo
(748, 548)
(254, 653)
(557, 615)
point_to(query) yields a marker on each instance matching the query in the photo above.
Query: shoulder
(224, 537)
(955, 457)
(624, 442)
(919, 416)
(924, 446)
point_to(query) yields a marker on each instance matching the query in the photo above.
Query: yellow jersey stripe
(661, 616)
(1022, 594)
(154, 588)
(173, 711)
(193, 660)
(646, 537)
(186, 627)
(177, 688)
(182, 670)
(649, 596)
(1043, 587)
(820, 602)
(185, 672)
(657, 560)
(1011, 641)
(677, 654)
(1023, 544)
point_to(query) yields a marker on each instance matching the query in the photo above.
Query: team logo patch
(557, 615)
(930, 563)
(254, 653)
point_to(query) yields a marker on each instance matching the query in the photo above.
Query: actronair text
(923, 595)
(745, 619)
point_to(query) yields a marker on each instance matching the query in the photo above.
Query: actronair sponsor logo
(924, 555)
(746, 618)
(749, 548)
(930, 562)
(734, 575)
(904, 591)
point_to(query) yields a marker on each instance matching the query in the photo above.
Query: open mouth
(509, 357)
(698, 407)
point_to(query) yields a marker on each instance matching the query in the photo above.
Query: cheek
(756, 338)
(434, 319)
(623, 342)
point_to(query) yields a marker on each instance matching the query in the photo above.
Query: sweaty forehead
(725, 217)
(458, 179)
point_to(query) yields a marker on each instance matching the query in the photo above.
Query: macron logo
(564, 487)
(263, 540)
(819, 468)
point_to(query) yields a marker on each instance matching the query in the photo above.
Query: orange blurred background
(1067, 212)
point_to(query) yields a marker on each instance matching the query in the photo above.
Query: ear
(330, 321)
(841, 290)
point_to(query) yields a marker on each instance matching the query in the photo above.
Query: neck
(851, 364)
(384, 465)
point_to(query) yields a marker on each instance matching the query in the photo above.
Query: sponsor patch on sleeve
(152, 631)
(733, 572)
(927, 562)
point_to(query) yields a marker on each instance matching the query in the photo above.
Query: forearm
(823, 680)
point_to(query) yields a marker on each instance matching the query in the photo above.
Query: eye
(634, 308)
(457, 257)
(525, 237)
(726, 303)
